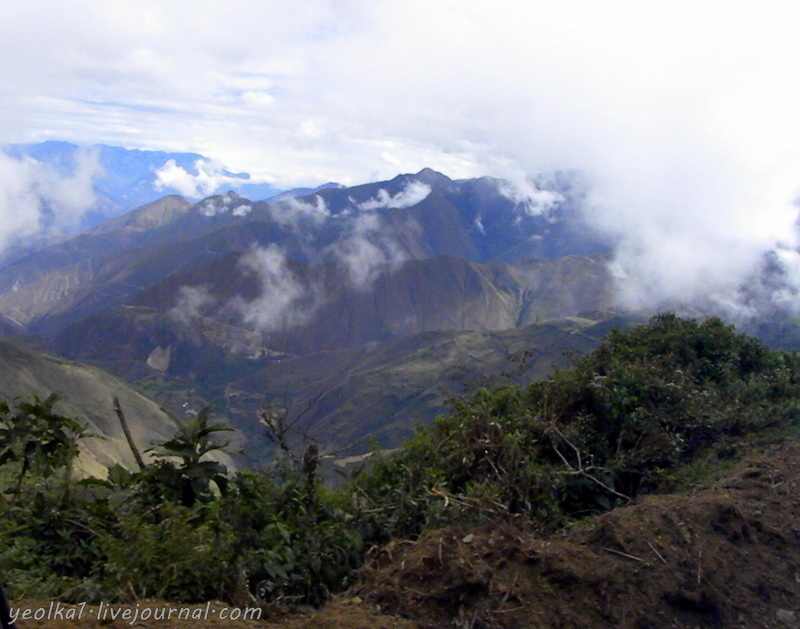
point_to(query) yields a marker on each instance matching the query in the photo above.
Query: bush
(619, 422)
(647, 404)
(174, 554)
(299, 544)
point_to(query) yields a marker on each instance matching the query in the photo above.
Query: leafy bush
(648, 403)
(174, 554)
(48, 553)
(46, 545)
(617, 423)
(192, 479)
(178, 529)
(35, 441)
(299, 546)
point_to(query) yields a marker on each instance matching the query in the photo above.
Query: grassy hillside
(85, 393)
(349, 398)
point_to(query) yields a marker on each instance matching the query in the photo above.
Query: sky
(684, 115)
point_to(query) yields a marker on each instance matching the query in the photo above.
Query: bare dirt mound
(726, 555)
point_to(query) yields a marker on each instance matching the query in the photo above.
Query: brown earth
(724, 555)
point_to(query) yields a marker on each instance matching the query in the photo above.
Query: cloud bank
(209, 177)
(683, 114)
(37, 200)
(415, 192)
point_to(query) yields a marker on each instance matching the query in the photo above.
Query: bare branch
(581, 470)
(125, 429)
(626, 555)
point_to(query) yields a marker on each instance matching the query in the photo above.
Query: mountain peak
(432, 178)
(149, 216)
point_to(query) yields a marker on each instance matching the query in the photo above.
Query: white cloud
(683, 113)
(190, 304)
(283, 301)
(209, 178)
(415, 192)
(368, 252)
(37, 200)
(230, 203)
(286, 300)
(317, 208)
(310, 130)
(529, 198)
(291, 212)
(258, 98)
(390, 158)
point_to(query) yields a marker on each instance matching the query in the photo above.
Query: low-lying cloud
(368, 252)
(528, 197)
(230, 203)
(209, 176)
(415, 192)
(37, 200)
(293, 213)
(367, 248)
(690, 241)
(190, 304)
(284, 300)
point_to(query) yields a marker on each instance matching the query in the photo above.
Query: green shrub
(615, 424)
(173, 555)
(656, 405)
(48, 550)
(300, 546)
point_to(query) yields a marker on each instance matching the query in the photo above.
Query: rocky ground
(724, 555)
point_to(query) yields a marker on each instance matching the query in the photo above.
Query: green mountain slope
(376, 393)
(345, 399)
(85, 392)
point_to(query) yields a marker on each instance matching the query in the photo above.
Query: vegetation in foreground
(649, 409)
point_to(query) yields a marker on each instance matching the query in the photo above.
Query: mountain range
(128, 178)
(361, 309)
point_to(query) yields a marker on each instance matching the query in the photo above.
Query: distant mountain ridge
(471, 220)
(130, 177)
(209, 302)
